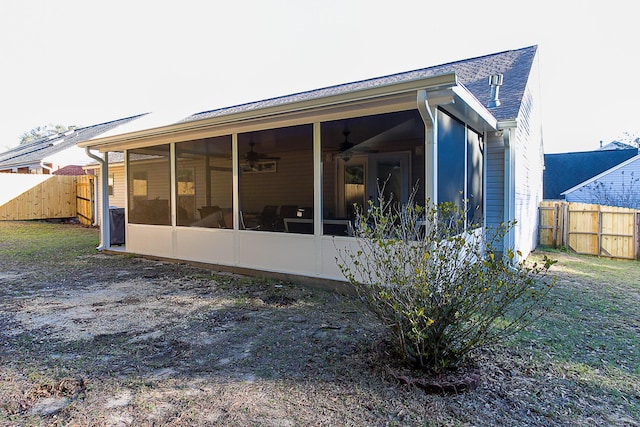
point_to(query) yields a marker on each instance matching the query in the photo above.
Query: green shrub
(438, 282)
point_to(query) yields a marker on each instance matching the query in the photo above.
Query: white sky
(86, 62)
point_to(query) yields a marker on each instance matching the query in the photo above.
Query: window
(475, 173)
(276, 179)
(460, 166)
(149, 185)
(205, 183)
(363, 154)
(354, 188)
(110, 183)
(139, 184)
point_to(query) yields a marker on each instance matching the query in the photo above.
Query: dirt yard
(90, 339)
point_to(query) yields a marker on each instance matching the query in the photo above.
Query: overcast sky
(81, 62)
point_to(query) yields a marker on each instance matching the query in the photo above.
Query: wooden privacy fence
(590, 229)
(28, 197)
(84, 199)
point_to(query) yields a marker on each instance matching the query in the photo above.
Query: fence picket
(47, 197)
(590, 229)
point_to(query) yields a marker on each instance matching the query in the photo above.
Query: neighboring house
(566, 170)
(617, 186)
(116, 184)
(56, 153)
(270, 186)
(617, 145)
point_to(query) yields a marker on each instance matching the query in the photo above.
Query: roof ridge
(418, 72)
(477, 58)
(110, 122)
(61, 141)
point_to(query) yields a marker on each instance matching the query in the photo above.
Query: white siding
(119, 189)
(529, 165)
(494, 176)
(618, 187)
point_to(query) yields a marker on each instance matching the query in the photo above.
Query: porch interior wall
(329, 187)
(292, 183)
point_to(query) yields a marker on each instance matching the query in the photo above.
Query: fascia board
(597, 177)
(435, 82)
(507, 124)
(475, 113)
(93, 166)
(28, 164)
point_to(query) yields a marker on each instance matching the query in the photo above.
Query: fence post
(600, 249)
(565, 224)
(554, 236)
(637, 237)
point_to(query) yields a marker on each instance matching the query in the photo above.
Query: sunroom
(270, 187)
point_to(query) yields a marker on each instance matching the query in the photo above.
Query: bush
(438, 282)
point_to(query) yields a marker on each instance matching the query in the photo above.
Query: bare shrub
(439, 282)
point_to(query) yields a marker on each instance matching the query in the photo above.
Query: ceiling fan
(344, 149)
(252, 158)
(373, 144)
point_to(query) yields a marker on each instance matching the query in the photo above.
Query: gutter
(460, 103)
(267, 110)
(105, 241)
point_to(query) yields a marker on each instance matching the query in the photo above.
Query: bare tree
(42, 132)
(625, 195)
(630, 138)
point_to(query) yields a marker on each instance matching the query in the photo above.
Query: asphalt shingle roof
(473, 73)
(566, 170)
(37, 150)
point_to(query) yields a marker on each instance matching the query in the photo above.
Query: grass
(579, 364)
(591, 334)
(41, 241)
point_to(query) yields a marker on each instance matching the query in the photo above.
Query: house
(617, 145)
(566, 170)
(268, 187)
(57, 153)
(617, 186)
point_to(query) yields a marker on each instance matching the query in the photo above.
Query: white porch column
(105, 229)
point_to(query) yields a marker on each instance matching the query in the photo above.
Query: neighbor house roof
(616, 145)
(473, 73)
(40, 149)
(566, 170)
(72, 170)
(603, 174)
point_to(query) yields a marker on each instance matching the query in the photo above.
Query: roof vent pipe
(495, 81)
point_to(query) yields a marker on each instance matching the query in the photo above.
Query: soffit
(457, 99)
(383, 99)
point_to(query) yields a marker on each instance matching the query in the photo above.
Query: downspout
(431, 149)
(509, 182)
(43, 166)
(95, 202)
(105, 241)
